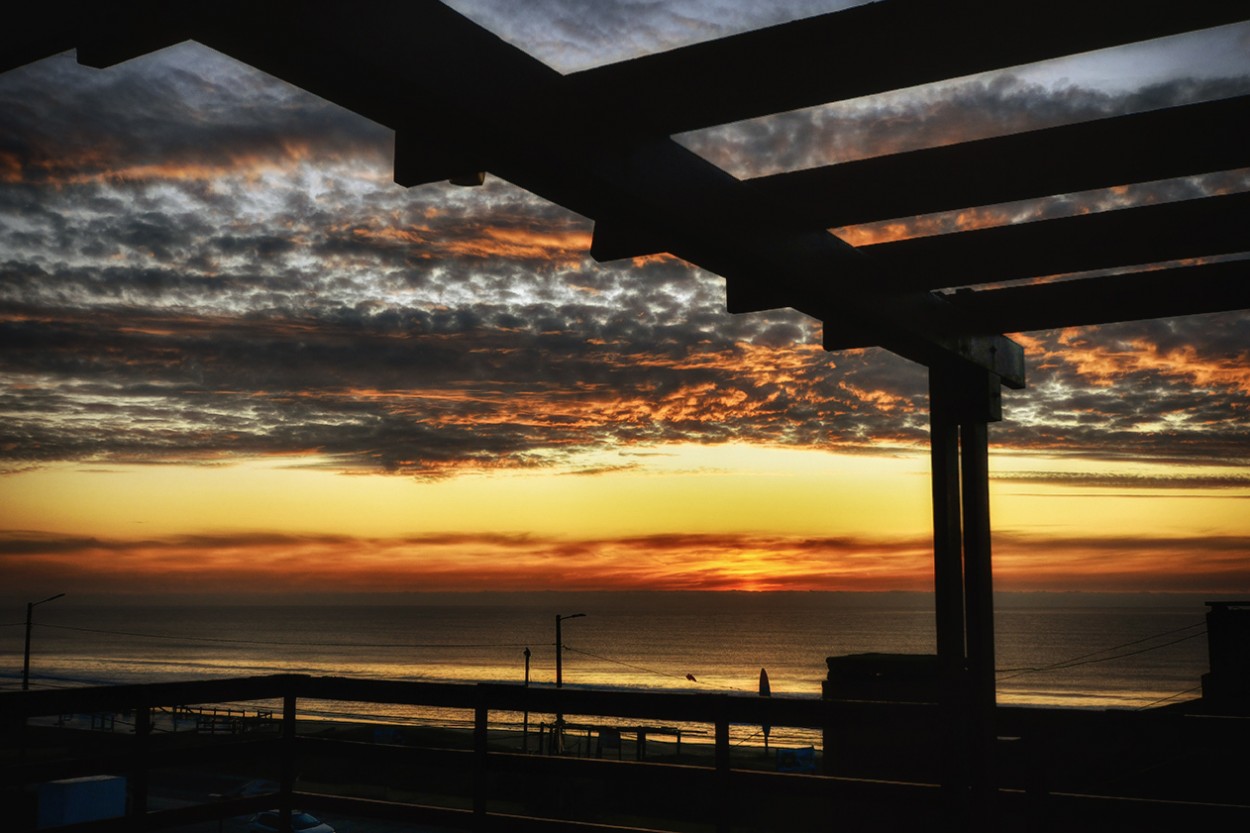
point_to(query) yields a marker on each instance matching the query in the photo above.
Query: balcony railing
(883, 765)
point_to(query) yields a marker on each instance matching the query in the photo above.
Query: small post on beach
(525, 722)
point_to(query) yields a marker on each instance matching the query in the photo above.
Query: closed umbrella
(765, 691)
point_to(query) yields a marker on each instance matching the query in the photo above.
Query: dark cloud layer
(416, 391)
(185, 107)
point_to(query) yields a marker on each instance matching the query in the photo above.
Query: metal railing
(496, 788)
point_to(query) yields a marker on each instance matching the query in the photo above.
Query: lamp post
(560, 677)
(30, 608)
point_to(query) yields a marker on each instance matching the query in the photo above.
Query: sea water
(1062, 650)
(1067, 650)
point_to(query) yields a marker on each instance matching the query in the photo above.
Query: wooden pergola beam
(1134, 296)
(1196, 228)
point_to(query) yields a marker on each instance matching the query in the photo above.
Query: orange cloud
(10, 168)
(1127, 563)
(97, 165)
(568, 248)
(1104, 362)
(464, 562)
(565, 247)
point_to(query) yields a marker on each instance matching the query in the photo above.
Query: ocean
(1072, 650)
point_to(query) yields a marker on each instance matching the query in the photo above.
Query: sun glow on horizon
(667, 517)
(672, 488)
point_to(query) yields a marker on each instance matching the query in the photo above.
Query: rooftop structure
(465, 104)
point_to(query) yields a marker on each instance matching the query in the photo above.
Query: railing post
(140, 761)
(481, 718)
(1036, 744)
(723, 785)
(286, 786)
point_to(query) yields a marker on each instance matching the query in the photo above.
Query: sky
(236, 357)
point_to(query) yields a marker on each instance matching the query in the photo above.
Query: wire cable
(628, 664)
(645, 669)
(751, 736)
(1170, 697)
(1085, 659)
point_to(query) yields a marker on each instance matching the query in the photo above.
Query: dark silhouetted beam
(1185, 290)
(422, 156)
(119, 32)
(864, 50)
(19, 46)
(618, 240)
(103, 33)
(1109, 239)
(1143, 147)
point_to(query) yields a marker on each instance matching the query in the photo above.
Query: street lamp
(30, 608)
(560, 676)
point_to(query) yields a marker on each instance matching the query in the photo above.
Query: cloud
(1128, 481)
(185, 114)
(1168, 389)
(1122, 562)
(417, 392)
(980, 106)
(202, 264)
(236, 562)
(239, 563)
(571, 35)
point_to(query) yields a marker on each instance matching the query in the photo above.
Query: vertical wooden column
(979, 614)
(948, 589)
(286, 784)
(142, 762)
(962, 403)
(481, 725)
(724, 784)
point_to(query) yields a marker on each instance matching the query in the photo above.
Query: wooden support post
(979, 613)
(286, 782)
(139, 764)
(962, 403)
(481, 718)
(724, 791)
(947, 547)
(948, 586)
